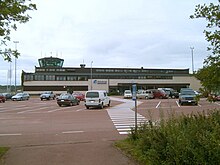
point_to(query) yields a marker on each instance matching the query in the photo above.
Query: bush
(192, 139)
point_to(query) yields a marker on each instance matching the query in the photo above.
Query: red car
(161, 94)
(80, 96)
(2, 98)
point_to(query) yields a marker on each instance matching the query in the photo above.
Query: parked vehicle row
(147, 94)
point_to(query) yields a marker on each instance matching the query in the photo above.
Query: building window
(28, 77)
(60, 78)
(39, 77)
(50, 78)
(82, 78)
(71, 78)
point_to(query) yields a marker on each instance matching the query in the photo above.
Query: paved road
(42, 133)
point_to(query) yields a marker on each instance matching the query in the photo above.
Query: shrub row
(191, 139)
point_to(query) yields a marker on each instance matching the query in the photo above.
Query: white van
(96, 98)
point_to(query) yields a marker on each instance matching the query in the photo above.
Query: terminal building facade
(52, 76)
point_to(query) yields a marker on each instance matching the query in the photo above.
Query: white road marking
(123, 117)
(11, 134)
(177, 103)
(32, 110)
(70, 132)
(158, 104)
(217, 103)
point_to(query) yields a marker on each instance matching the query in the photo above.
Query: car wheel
(41, 99)
(87, 107)
(109, 103)
(101, 106)
(59, 105)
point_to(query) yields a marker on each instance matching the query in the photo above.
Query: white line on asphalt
(217, 103)
(11, 134)
(69, 132)
(158, 104)
(80, 109)
(199, 105)
(124, 129)
(54, 110)
(125, 126)
(32, 110)
(177, 103)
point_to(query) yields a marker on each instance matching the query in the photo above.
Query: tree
(12, 12)
(209, 75)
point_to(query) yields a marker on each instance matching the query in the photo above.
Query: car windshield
(92, 94)
(188, 92)
(19, 94)
(46, 92)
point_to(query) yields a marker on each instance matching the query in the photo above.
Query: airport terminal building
(52, 76)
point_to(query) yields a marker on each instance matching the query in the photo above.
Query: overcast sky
(111, 33)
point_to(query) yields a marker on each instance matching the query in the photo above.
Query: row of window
(32, 77)
(152, 71)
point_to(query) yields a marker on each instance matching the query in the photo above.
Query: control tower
(51, 62)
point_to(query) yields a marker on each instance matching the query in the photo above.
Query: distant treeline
(5, 88)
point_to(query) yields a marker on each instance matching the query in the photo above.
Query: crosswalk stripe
(123, 117)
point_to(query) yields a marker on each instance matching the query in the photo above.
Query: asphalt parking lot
(41, 132)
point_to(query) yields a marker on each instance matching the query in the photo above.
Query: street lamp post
(16, 42)
(91, 74)
(192, 48)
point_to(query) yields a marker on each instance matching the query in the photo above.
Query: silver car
(145, 94)
(20, 97)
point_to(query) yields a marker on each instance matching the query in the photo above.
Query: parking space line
(158, 104)
(177, 103)
(217, 103)
(32, 110)
(54, 110)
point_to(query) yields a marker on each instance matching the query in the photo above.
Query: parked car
(96, 98)
(145, 94)
(47, 95)
(2, 98)
(170, 92)
(80, 96)
(161, 94)
(20, 96)
(127, 94)
(7, 96)
(67, 99)
(187, 96)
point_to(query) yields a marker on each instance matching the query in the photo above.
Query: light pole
(91, 74)
(16, 42)
(192, 48)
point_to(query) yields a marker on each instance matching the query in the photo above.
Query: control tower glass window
(50, 62)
